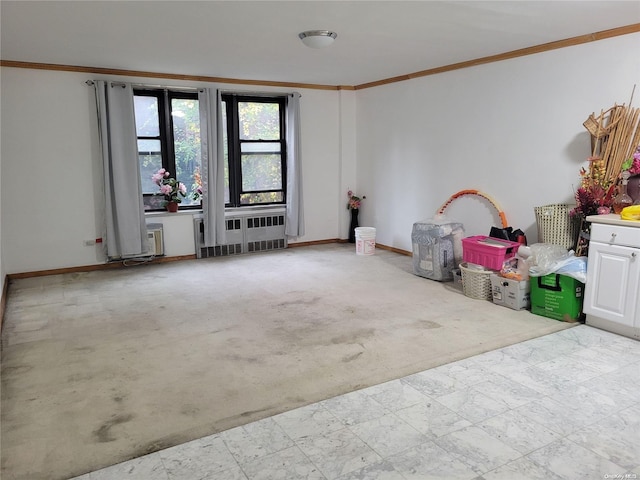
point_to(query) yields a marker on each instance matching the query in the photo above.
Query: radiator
(246, 233)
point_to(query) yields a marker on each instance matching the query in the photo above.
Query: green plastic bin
(557, 296)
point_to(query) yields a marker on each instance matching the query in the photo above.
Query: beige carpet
(101, 367)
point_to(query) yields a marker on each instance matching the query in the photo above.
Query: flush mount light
(317, 38)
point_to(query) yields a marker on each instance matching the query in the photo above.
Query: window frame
(164, 97)
(234, 147)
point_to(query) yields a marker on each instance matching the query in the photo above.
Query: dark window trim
(234, 148)
(164, 97)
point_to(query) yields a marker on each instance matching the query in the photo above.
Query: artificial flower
(169, 186)
(354, 201)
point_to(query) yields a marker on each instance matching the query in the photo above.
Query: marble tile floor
(562, 406)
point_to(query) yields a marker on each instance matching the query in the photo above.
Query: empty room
(213, 249)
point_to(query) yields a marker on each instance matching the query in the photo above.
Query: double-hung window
(168, 131)
(255, 149)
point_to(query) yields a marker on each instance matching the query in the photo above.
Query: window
(168, 131)
(255, 150)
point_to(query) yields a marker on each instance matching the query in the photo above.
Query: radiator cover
(246, 233)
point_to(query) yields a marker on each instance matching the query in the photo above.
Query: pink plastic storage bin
(488, 251)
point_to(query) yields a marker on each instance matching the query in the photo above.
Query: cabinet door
(613, 279)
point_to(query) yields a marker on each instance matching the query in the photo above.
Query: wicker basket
(476, 282)
(556, 226)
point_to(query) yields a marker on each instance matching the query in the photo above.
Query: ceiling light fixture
(317, 38)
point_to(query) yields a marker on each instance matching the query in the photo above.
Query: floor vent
(245, 234)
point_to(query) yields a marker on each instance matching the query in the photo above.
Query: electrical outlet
(89, 243)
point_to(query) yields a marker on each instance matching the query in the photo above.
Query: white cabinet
(612, 297)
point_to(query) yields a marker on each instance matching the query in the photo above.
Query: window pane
(154, 202)
(270, 147)
(149, 146)
(261, 172)
(264, 197)
(259, 121)
(186, 140)
(147, 122)
(150, 160)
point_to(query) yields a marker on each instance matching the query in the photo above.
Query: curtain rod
(191, 89)
(257, 94)
(144, 85)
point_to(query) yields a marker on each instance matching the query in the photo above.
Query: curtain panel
(126, 230)
(294, 226)
(212, 158)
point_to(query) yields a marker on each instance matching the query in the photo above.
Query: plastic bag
(548, 258)
(515, 268)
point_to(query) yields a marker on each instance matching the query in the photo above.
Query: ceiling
(258, 40)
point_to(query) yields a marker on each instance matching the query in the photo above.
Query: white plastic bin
(365, 240)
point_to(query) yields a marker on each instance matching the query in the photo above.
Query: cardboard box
(557, 296)
(510, 293)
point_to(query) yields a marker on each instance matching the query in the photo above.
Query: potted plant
(172, 190)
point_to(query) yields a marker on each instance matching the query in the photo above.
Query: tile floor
(563, 406)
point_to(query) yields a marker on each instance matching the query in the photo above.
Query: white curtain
(126, 231)
(295, 215)
(210, 102)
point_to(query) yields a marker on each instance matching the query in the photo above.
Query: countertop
(613, 219)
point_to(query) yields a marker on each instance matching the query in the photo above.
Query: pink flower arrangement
(633, 164)
(169, 186)
(595, 194)
(354, 201)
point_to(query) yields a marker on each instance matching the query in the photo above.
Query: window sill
(228, 212)
(240, 211)
(173, 214)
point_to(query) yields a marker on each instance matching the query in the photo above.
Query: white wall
(512, 129)
(51, 193)
(348, 156)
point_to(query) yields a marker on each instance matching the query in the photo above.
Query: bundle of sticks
(615, 135)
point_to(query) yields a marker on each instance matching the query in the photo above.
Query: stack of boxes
(491, 253)
(554, 296)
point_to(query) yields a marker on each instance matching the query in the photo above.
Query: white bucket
(365, 240)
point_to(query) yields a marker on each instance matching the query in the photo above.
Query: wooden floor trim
(99, 266)
(130, 263)
(394, 249)
(314, 242)
(3, 301)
